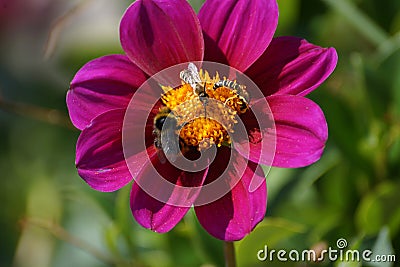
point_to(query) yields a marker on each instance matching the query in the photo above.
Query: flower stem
(229, 251)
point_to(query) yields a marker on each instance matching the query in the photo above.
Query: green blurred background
(50, 217)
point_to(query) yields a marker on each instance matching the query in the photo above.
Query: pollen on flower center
(204, 132)
(206, 118)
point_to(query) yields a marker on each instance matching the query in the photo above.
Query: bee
(239, 89)
(191, 76)
(166, 140)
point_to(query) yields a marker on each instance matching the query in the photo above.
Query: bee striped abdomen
(228, 84)
(239, 89)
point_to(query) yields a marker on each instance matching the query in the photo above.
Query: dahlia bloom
(157, 34)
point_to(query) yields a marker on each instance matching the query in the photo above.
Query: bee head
(159, 122)
(161, 117)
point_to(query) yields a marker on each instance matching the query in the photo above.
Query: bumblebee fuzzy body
(166, 140)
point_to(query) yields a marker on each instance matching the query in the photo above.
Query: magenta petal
(99, 155)
(153, 214)
(239, 30)
(101, 85)
(291, 65)
(162, 216)
(235, 215)
(157, 34)
(301, 131)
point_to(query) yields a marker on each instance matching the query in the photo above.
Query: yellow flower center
(203, 121)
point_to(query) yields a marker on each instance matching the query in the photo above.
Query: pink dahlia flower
(157, 34)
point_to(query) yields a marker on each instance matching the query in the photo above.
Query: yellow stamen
(208, 121)
(203, 133)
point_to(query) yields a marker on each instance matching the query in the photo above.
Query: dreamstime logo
(137, 138)
(332, 254)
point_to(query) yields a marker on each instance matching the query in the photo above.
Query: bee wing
(170, 144)
(191, 76)
(194, 73)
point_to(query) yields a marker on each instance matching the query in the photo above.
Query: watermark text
(332, 254)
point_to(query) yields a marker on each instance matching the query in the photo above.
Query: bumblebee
(166, 139)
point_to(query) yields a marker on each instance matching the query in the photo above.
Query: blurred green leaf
(277, 179)
(387, 48)
(44, 204)
(123, 215)
(210, 248)
(345, 129)
(273, 232)
(329, 160)
(396, 90)
(359, 20)
(288, 14)
(380, 207)
(394, 152)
